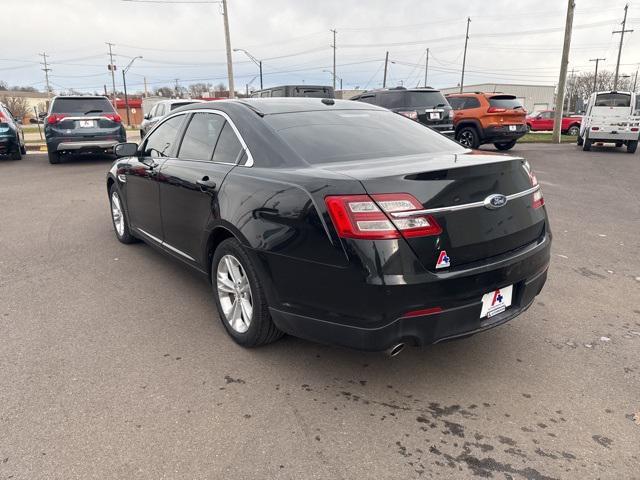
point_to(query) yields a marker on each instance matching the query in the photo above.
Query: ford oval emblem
(495, 201)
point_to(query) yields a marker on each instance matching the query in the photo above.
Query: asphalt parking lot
(113, 362)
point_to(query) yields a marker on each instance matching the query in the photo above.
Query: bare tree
(164, 92)
(200, 89)
(19, 106)
(580, 86)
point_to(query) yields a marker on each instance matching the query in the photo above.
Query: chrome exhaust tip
(395, 350)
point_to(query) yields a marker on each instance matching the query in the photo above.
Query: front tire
(240, 297)
(468, 137)
(505, 145)
(632, 145)
(119, 217)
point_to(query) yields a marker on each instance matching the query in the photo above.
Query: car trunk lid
(453, 189)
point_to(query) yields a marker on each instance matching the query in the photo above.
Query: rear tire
(505, 145)
(632, 145)
(574, 130)
(54, 158)
(16, 154)
(238, 291)
(468, 137)
(579, 141)
(23, 149)
(586, 146)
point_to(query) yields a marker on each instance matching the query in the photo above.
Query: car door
(142, 177)
(208, 151)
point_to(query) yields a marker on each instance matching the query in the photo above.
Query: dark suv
(82, 125)
(425, 105)
(11, 135)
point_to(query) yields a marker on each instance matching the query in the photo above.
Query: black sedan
(335, 221)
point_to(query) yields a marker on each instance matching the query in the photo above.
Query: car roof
(270, 106)
(79, 96)
(181, 100)
(401, 89)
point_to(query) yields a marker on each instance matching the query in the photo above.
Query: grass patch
(545, 138)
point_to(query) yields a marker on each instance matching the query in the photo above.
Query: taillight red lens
(423, 312)
(114, 117)
(412, 114)
(595, 128)
(496, 110)
(538, 199)
(54, 118)
(367, 217)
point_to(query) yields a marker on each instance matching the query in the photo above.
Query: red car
(543, 120)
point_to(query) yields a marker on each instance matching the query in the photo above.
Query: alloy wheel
(116, 213)
(234, 292)
(466, 139)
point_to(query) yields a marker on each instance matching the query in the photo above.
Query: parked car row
(11, 135)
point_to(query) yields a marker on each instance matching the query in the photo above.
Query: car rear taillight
(113, 117)
(3, 117)
(54, 118)
(595, 128)
(412, 114)
(366, 216)
(496, 110)
(538, 199)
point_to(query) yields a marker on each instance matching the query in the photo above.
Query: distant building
(38, 100)
(533, 97)
(135, 110)
(348, 94)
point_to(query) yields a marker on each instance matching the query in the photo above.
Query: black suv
(82, 125)
(425, 105)
(11, 135)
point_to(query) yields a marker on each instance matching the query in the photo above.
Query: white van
(611, 117)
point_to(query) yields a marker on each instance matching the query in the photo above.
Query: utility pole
(635, 80)
(557, 122)
(571, 89)
(595, 76)
(46, 71)
(112, 67)
(145, 87)
(464, 57)
(621, 32)
(426, 70)
(227, 37)
(334, 58)
(177, 89)
(386, 62)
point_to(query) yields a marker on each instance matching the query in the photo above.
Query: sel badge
(443, 260)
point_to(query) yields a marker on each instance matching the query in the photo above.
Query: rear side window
(162, 140)
(228, 147)
(160, 110)
(277, 92)
(346, 135)
(201, 136)
(178, 105)
(471, 102)
(613, 100)
(313, 92)
(505, 101)
(368, 99)
(82, 106)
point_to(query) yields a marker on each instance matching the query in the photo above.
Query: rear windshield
(180, 104)
(313, 92)
(405, 99)
(505, 101)
(81, 105)
(344, 135)
(613, 100)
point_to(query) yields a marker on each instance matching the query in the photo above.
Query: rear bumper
(612, 136)
(91, 145)
(503, 134)
(8, 144)
(459, 295)
(445, 129)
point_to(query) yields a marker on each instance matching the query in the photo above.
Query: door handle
(206, 184)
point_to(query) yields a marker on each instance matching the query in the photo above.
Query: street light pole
(124, 83)
(254, 60)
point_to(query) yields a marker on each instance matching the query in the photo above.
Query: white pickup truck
(611, 117)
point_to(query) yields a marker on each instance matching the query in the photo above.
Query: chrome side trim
(165, 244)
(248, 163)
(455, 208)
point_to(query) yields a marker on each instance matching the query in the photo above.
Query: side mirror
(147, 116)
(128, 149)
(538, 117)
(41, 115)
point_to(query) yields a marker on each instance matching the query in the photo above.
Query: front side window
(228, 147)
(347, 135)
(201, 136)
(161, 141)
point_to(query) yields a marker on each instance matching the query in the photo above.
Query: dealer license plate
(496, 302)
(86, 123)
(512, 128)
(434, 115)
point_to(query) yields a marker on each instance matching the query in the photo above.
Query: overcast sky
(510, 41)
